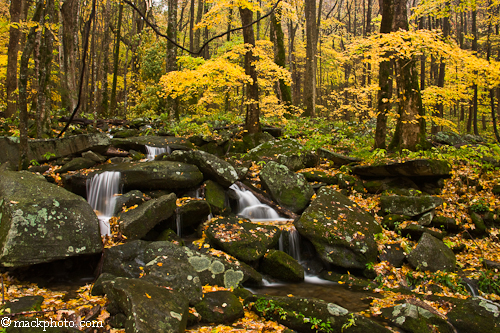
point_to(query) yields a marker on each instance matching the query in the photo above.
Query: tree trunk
(191, 26)
(410, 127)
(384, 79)
(69, 54)
(280, 55)
(116, 57)
(310, 70)
(14, 38)
(252, 121)
(172, 104)
(474, 87)
(197, 33)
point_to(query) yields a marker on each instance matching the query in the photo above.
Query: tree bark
(252, 120)
(69, 54)
(172, 104)
(116, 55)
(310, 70)
(280, 55)
(14, 39)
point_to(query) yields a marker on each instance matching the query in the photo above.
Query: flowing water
(251, 208)
(101, 195)
(151, 152)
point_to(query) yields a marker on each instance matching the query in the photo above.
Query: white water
(151, 152)
(293, 242)
(101, 195)
(251, 208)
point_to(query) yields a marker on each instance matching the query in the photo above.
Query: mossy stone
(282, 266)
(219, 307)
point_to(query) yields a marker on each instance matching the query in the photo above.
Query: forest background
(405, 68)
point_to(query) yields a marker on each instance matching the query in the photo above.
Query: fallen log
(282, 211)
(83, 121)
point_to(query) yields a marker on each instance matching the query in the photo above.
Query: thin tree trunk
(15, 10)
(280, 57)
(172, 104)
(310, 70)
(116, 57)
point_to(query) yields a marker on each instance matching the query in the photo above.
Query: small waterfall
(293, 240)
(251, 208)
(101, 195)
(151, 152)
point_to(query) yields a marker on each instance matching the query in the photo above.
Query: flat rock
(336, 158)
(413, 168)
(408, 205)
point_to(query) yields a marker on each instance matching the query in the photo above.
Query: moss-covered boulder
(125, 133)
(392, 221)
(23, 304)
(412, 168)
(475, 315)
(280, 265)
(321, 177)
(448, 138)
(128, 200)
(287, 151)
(139, 143)
(431, 254)
(148, 308)
(136, 223)
(350, 183)
(446, 223)
(215, 195)
(408, 205)
(247, 142)
(287, 188)
(193, 212)
(311, 315)
(414, 231)
(340, 230)
(393, 253)
(42, 222)
(396, 185)
(210, 165)
(415, 319)
(77, 164)
(127, 260)
(219, 307)
(242, 239)
(176, 274)
(336, 158)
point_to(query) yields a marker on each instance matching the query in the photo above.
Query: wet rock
(337, 159)
(431, 254)
(98, 158)
(480, 227)
(126, 260)
(287, 151)
(42, 222)
(288, 189)
(210, 165)
(216, 198)
(39, 168)
(415, 319)
(392, 221)
(413, 168)
(341, 232)
(193, 212)
(320, 176)
(350, 183)
(446, 223)
(77, 164)
(281, 266)
(128, 200)
(399, 185)
(415, 231)
(302, 314)
(125, 133)
(409, 205)
(136, 223)
(139, 143)
(219, 307)
(244, 240)
(148, 308)
(23, 304)
(475, 314)
(393, 253)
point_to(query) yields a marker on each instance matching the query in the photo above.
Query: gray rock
(281, 266)
(431, 254)
(415, 319)
(219, 307)
(341, 232)
(210, 165)
(42, 222)
(148, 308)
(290, 190)
(98, 158)
(128, 199)
(426, 218)
(136, 223)
(475, 314)
(216, 198)
(77, 164)
(409, 205)
(337, 159)
(413, 168)
(244, 240)
(139, 143)
(193, 212)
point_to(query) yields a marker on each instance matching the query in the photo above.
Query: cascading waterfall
(101, 195)
(251, 208)
(293, 248)
(151, 152)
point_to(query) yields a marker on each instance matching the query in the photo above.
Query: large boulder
(340, 230)
(413, 168)
(136, 223)
(40, 150)
(287, 151)
(77, 164)
(409, 205)
(415, 319)
(210, 165)
(193, 212)
(288, 189)
(127, 260)
(219, 307)
(139, 143)
(311, 315)
(42, 222)
(241, 239)
(336, 158)
(281, 266)
(475, 314)
(148, 308)
(431, 254)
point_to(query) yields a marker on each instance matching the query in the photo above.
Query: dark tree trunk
(310, 70)
(280, 55)
(15, 10)
(172, 104)
(252, 120)
(474, 87)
